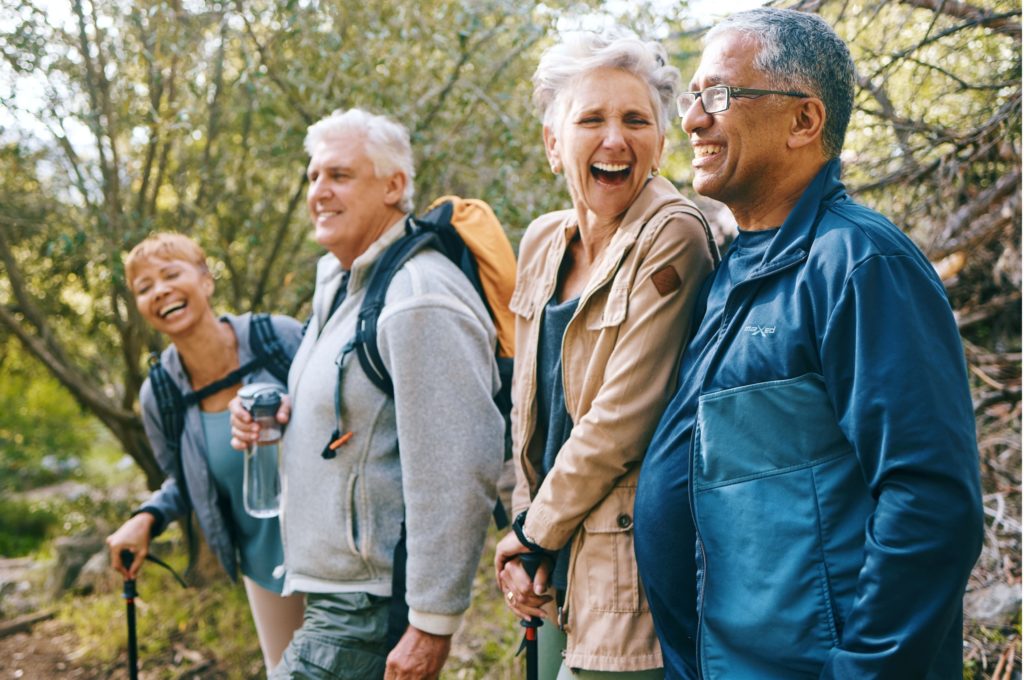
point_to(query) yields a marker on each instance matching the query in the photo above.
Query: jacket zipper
(730, 313)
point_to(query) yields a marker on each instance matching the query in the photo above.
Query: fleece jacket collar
(794, 239)
(329, 271)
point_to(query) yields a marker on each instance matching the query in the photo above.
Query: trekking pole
(129, 597)
(531, 561)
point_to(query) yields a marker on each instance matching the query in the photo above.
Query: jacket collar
(657, 195)
(329, 272)
(794, 239)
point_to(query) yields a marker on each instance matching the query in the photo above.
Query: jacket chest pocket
(605, 559)
(607, 307)
(524, 301)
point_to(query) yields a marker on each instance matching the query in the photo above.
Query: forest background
(121, 118)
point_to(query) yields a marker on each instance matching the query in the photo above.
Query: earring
(654, 172)
(556, 168)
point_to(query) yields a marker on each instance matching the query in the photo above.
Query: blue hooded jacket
(810, 503)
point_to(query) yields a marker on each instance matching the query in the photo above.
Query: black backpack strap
(264, 343)
(169, 401)
(439, 220)
(268, 352)
(373, 303)
(232, 378)
(171, 406)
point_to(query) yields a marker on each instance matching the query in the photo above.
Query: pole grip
(127, 557)
(531, 562)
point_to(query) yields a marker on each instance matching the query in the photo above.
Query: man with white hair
(349, 496)
(810, 504)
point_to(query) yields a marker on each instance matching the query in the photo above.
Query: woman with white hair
(603, 300)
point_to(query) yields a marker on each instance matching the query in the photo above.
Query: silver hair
(385, 141)
(801, 51)
(581, 52)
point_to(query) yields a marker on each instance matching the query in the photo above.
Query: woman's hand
(523, 595)
(134, 536)
(244, 430)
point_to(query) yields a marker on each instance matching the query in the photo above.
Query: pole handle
(127, 557)
(531, 562)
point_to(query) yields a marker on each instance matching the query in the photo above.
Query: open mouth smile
(706, 150)
(611, 173)
(167, 310)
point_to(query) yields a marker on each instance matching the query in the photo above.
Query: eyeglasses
(718, 98)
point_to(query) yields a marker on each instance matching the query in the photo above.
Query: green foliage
(42, 430)
(177, 629)
(24, 527)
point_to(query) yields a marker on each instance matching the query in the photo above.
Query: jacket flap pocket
(612, 312)
(747, 432)
(613, 515)
(523, 303)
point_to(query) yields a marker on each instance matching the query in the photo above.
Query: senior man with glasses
(809, 506)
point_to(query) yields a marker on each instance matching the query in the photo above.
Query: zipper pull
(337, 440)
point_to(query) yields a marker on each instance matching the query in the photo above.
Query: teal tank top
(258, 541)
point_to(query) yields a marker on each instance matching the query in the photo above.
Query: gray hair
(801, 51)
(581, 52)
(385, 141)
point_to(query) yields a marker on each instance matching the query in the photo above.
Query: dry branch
(962, 10)
(23, 623)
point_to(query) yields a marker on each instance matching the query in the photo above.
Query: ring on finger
(510, 596)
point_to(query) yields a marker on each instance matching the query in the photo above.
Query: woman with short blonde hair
(172, 285)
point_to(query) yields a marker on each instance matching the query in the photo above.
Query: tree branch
(1000, 23)
(293, 96)
(889, 113)
(279, 237)
(79, 387)
(897, 56)
(961, 221)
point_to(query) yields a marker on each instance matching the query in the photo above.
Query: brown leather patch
(666, 280)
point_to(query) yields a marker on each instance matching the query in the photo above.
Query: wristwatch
(517, 527)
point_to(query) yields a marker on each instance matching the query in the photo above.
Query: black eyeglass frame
(730, 92)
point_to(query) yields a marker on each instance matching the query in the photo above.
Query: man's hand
(244, 430)
(418, 656)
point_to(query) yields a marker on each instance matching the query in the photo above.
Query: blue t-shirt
(553, 421)
(665, 537)
(258, 540)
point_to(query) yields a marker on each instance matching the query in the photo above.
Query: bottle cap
(263, 397)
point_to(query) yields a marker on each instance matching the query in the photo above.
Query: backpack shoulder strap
(171, 405)
(169, 401)
(268, 352)
(365, 342)
(265, 345)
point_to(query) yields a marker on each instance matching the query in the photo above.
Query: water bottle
(261, 483)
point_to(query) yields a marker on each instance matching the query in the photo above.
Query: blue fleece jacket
(810, 503)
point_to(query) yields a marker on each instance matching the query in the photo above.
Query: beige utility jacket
(620, 356)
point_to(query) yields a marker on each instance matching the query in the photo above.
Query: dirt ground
(46, 651)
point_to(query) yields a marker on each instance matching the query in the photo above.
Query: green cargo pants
(343, 635)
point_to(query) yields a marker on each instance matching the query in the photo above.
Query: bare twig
(1000, 23)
